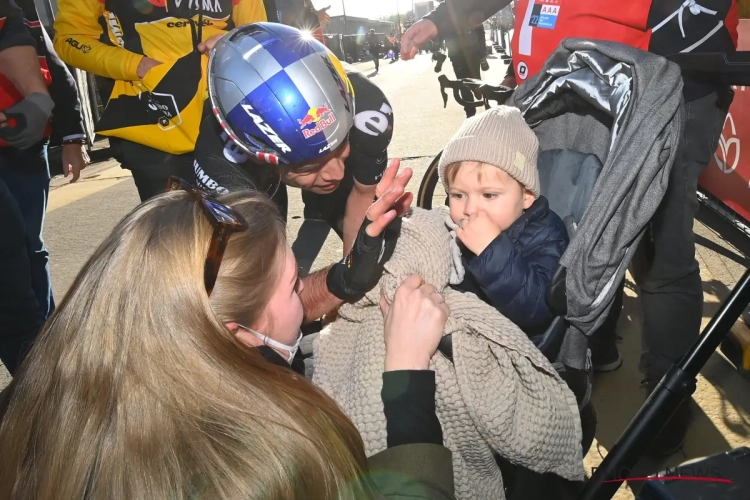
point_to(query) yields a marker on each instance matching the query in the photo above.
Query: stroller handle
(715, 67)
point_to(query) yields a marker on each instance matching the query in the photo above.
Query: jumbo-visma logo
(727, 155)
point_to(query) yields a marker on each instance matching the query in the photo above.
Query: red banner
(728, 175)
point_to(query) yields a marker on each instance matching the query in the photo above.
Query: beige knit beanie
(498, 137)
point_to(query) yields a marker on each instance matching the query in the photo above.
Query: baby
(511, 242)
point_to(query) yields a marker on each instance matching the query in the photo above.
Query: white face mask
(291, 349)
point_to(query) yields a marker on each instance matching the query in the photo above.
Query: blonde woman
(164, 374)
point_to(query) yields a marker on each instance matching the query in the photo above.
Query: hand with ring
(414, 325)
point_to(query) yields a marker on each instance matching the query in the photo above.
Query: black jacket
(452, 16)
(67, 122)
(13, 32)
(513, 272)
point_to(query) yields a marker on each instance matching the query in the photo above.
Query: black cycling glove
(362, 268)
(30, 116)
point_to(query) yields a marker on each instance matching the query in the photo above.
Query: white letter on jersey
(232, 151)
(366, 121)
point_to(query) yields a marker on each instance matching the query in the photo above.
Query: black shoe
(604, 355)
(671, 438)
(485, 65)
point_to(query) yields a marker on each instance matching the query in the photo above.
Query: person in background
(463, 52)
(665, 268)
(374, 42)
(191, 394)
(25, 170)
(22, 125)
(153, 76)
(482, 47)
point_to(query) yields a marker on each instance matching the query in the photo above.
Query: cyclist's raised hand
(361, 269)
(392, 198)
(420, 32)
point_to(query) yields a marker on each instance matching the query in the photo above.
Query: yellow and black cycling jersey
(110, 37)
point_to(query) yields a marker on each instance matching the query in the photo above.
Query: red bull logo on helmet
(321, 117)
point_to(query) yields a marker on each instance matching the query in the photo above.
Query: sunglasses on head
(225, 221)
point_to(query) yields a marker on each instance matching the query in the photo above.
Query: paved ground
(80, 215)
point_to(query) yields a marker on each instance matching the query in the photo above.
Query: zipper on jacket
(197, 33)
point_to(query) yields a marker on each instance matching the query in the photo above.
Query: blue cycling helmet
(281, 95)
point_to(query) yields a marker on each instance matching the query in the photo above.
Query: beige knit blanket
(501, 394)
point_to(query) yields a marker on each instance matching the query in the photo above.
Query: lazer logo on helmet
(328, 146)
(322, 117)
(266, 129)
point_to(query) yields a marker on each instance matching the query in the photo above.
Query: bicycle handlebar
(483, 92)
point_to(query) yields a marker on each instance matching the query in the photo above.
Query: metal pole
(676, 386)
(398, 18)
(346, 24)
(346, 31)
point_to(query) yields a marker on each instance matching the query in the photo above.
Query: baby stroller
(617, 113)
(608, 118)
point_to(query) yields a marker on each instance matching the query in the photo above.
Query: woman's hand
(414, 325)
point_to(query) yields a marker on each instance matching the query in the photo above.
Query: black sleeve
(67, 121)
(222, 166)
(409, 407)
(13, 31)
(453, 16)
(9, 8)
(372, 131)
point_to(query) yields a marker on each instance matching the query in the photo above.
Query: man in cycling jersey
(286, 117)
(150, 76)
(334, 155)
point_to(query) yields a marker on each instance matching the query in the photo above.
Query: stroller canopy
(625, 106)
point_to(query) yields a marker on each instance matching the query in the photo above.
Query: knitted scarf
(499, 395)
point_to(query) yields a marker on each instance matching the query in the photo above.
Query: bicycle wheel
(430, 181)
